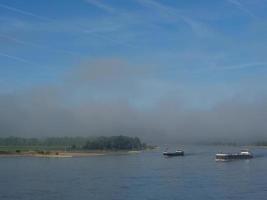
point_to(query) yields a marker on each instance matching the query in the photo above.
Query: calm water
(139, 176)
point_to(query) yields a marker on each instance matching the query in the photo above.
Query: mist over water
(114, 97)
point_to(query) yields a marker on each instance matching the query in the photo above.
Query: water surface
(146, 175)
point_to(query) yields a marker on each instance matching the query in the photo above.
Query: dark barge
(176, 153)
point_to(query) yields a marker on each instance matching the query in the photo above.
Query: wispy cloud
(197, 27)
(241, 6)
(119, 14)
(24, 12)
(81, 29)
(15, 58)
(101, 5)
(242, 66)
(39, 46)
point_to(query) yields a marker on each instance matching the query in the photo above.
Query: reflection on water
(138, 176)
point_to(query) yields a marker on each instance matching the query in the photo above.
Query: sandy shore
(63, 154)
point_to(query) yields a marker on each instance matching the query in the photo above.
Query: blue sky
(161, 70)
(205, 51)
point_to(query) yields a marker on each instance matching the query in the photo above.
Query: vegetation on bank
(114, 143)
(261, 143)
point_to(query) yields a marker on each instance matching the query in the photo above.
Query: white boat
(244, 154)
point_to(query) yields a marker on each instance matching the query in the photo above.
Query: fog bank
(111, 97)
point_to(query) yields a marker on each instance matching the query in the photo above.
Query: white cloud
(101, 5)
(197, 27)
(240, 6)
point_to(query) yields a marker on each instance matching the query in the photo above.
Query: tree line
(115, 143)
(76, 143)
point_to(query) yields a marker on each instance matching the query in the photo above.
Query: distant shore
(64, 154)
(65, 147)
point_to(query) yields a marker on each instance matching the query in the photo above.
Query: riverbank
(63, 154)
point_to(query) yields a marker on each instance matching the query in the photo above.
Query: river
(146, 175)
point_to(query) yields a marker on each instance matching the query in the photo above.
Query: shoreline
(66, 154)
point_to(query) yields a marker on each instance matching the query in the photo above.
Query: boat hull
(172, 154)
(229, 157)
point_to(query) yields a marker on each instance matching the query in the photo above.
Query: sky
(182, 70)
